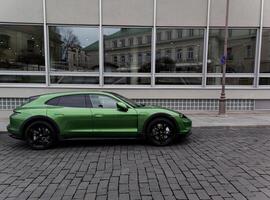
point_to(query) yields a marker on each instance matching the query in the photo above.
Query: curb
(236, 126)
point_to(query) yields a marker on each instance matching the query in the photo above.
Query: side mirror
(122, 107)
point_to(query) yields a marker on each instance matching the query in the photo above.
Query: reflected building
(67, 52)
(21, 48)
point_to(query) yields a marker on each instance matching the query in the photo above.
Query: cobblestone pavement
(214, 163)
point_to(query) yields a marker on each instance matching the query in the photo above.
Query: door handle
(98, 115)
(58, 114)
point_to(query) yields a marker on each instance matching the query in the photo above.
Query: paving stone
(214, 163)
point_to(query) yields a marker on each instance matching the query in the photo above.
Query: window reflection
(74, 80)
(179, 81)
(21, 79)
(265, 55)
(265, 81)
(74, 48)
(134, 56)
(127, 80)
(241, 50)
(21, 48)
(230, 81)
(179, 50)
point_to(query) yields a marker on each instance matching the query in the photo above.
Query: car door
(72, 114)
(109, 121)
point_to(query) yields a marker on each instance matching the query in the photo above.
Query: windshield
(129, 101)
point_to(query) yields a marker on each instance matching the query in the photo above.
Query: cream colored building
(155, 51)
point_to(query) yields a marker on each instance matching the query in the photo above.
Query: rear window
(76, 101)
(54, 101)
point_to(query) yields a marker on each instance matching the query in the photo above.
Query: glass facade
(22, 79)
(178, 81)
(179, 50)
(127, 50)
(74, 80)
(74, 49)
(21, 48)
(230, 81)
(127, 80)
(265, 55)
(74, 56)
(241, 50)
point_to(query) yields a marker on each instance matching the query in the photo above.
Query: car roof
(56, 94)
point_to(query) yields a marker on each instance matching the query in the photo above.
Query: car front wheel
(161, 131)
(40, 135)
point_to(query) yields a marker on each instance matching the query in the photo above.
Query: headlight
(182, 115)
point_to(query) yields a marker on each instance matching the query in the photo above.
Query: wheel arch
(158, 115)
(39, 118)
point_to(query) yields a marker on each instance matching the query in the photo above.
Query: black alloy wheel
(161, 132)
(40, 135)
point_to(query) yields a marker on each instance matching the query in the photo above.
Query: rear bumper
(12, 133)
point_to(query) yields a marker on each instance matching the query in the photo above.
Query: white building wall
(266, 16)
(131, 12)
(73, 11)
(25, 11)
(242, 13)
(181, 12)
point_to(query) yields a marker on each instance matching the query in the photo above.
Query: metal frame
(101, 51)
(259, 46)
(101, 74)
(154, 45)
(46, 44)
(206, 44)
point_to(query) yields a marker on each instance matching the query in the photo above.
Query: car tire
(40, 135)
(161, 131)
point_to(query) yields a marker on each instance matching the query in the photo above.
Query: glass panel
(21, 48)
(179, 50)
(127, 49)
(21, 79)
(127, 80)
(74, 48)
(74, 80)
(265, 55)
(230, 81)
(101, 101)
(264, 81)
(77, 101)
(241, 50)
(178, 81)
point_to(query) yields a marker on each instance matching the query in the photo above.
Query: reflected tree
(70, 41)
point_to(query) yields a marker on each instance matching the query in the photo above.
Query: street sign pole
(222, 99)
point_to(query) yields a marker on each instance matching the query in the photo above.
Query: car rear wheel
(40, 135)
(161, 131)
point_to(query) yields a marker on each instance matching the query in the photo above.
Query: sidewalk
(211, 120)
(231, 120)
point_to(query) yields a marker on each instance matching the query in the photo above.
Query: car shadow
(113, 142)
(81, 143)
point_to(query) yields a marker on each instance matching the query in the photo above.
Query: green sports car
(46, 119)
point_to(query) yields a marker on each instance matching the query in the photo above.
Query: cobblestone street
(214, 163)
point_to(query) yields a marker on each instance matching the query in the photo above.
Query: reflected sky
(87, 35)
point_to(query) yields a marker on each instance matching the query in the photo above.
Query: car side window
(76, 101)
(54, 101)
(102, 101)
